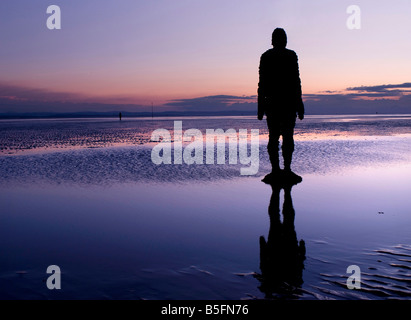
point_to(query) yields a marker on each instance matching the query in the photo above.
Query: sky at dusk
(189, 55)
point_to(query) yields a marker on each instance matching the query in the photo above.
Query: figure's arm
(300, 104)
(260, 92)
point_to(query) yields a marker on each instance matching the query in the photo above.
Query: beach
(84, 194)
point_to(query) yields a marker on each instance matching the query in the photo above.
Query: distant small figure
(119, 116)
(280, 99)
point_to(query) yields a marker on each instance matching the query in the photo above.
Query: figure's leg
(272, 149)
(273, 144)
(288, 146)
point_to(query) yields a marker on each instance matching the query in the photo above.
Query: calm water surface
(120, 227)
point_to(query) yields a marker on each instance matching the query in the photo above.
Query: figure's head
(279, 38)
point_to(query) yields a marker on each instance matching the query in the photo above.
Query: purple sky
(199, 55)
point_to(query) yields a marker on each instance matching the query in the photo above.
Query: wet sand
(120, 229)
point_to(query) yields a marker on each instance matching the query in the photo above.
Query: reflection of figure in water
(281, 256)
(119, 116)
(280, 99)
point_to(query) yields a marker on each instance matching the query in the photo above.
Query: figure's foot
(291, 176)
(273, 176)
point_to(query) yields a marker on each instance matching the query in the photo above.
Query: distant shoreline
(85, 115)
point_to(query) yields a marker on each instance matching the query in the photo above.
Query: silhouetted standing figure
(280, 98)
(282, 255)
(119, 116)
